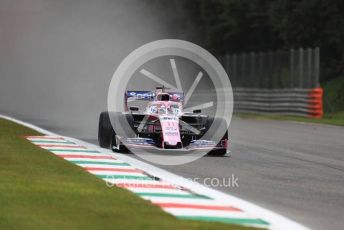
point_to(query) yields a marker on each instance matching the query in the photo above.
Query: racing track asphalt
(294, 169)
(56, 63)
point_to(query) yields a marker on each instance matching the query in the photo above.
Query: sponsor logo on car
(140, 141)
(169, 118)
(171, 128)
(169, 133)
(202, 143)
(141, 94)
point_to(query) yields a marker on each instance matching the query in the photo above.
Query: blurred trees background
(234, 26)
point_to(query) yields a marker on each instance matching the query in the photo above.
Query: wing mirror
(197, 111)
(134, 108)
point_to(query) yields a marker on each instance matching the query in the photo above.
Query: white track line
(104, 166)
(193, 212)
(278, 222)
(75, 159)
(157, 190)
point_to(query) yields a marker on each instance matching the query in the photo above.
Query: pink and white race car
(162, 125)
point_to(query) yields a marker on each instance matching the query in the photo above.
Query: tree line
(235, 26)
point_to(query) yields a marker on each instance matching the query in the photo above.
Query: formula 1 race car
(162, 125)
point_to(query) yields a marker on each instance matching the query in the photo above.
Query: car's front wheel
(222, 151)
(219, 124)
(116, 146)
(104, 130)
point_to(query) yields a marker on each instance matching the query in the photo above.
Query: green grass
(334, 95)
(39, 190)
(330, 119)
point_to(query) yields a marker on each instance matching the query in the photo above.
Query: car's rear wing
(149, 96)
(139, 95)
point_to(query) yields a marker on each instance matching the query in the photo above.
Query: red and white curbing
(175, 195)
(175, 200)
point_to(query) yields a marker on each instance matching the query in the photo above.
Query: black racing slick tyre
(105, 130)
(116, 146)
(219, 123)
(106, 134)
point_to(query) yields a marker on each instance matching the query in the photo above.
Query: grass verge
(39, 190)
